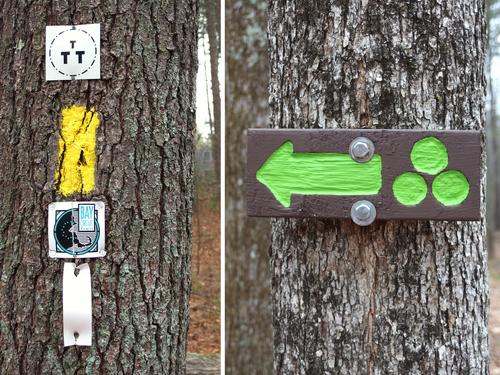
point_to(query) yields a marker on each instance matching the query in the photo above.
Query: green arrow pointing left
(313, 173)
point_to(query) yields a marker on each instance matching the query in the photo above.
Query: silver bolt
(363, 213)
(361, 149)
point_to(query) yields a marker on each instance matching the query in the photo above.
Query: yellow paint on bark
(76, 166)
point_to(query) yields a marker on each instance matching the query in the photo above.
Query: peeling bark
(406, 297)
(145, 102)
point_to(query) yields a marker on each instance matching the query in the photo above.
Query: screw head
(363, 213)
(361, 149)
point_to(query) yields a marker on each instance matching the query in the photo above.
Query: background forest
(493, 184)
(204, 327)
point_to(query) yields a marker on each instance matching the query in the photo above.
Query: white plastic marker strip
(77, 305)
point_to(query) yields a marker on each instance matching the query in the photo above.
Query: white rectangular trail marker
(73, 52)
(77, 305)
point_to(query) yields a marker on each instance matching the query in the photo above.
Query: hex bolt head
(361, 149)
(363, 213)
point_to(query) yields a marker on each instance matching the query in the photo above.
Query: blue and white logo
(86, 217)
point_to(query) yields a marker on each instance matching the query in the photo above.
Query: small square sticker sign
(72, 52)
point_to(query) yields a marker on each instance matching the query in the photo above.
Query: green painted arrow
(313, 173)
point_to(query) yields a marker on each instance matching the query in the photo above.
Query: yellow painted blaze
(76, 166)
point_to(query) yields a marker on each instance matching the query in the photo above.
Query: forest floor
(494, 318)
(204, 325)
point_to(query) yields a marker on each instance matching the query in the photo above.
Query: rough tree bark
(145, 101)
(406, 297)
(248, 305)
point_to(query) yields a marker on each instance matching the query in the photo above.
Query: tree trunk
(213, 10)
(248, 305)
(406, 297)
(145, 103)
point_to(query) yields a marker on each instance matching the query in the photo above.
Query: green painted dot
(450, 188)
(429, 155)
(409, 189)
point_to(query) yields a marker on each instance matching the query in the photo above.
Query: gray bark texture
(145, 100)
(248, 278)
(397, 297)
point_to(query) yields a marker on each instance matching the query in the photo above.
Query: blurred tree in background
(493, 175)
(210, 24)
(248, 310)
(204, 308)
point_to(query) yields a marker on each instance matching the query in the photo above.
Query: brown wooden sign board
(413, 174)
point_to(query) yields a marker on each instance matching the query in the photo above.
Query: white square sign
(76, 230)
(73, 52)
